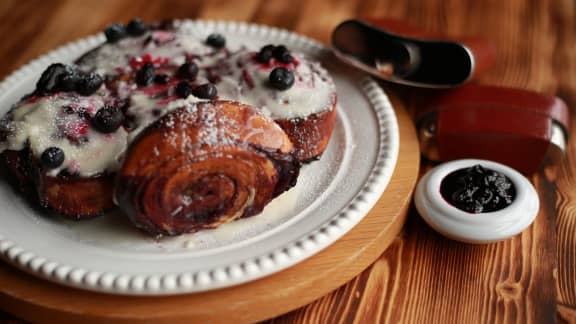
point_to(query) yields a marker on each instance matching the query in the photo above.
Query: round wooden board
(37, 300)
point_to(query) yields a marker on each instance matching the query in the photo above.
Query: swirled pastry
(204, 165)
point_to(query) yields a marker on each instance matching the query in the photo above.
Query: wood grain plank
(313, 21)
(564, 16)
(282, 14)
(22, 35)
(229, 9)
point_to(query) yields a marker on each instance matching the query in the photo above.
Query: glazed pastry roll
(61, 145)
(203, 165)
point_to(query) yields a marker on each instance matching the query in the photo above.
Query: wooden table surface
(422, 277)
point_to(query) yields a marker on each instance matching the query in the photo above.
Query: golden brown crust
(78, 198)
(203, 167)
(73, 197)
(310, 134)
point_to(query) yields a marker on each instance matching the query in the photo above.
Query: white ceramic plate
(332, 195)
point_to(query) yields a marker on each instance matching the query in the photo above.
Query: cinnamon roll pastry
(203, 165)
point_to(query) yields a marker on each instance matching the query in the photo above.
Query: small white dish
(479, 228)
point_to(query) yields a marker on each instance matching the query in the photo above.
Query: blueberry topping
(282, 54)
(136, 27)
(161, 78)
(477, 190)
(285, 57)
(59, 77)
(216, 40)
(188, 70)
(52, 157)
(89, 83)
(281, 78)
(70, 80)
(108, 119)
(114, 33)
(205, 91)
(145, 76)
(265, 54)
(49, 79)
(183, 89)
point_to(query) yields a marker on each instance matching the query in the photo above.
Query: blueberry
(265, 54)
(108, 119)
(145, 76)
(136, 27)
(281, 78)
(89, 84)
(216, 40)
(49, 79)
(183, 89)
(52, 157)
(114, 33)
(205, 91)
(285, 58)
(188, 70)
(282, 54)
(70, 80)
(161, 78)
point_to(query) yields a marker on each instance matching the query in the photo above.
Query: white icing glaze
(161, 46)
(43, 123)
(147, 110)
(245, 80)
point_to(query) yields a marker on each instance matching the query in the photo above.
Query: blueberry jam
(477, 190)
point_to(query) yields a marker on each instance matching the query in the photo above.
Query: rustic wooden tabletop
(422, 277)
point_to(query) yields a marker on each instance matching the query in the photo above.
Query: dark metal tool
(396, 52)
